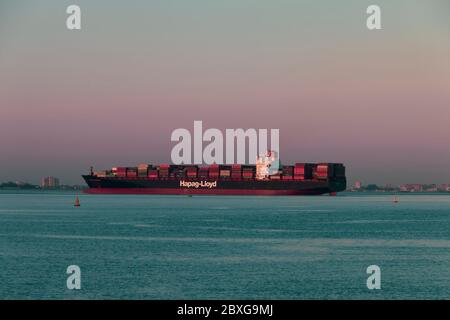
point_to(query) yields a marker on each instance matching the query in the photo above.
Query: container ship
(267, 177)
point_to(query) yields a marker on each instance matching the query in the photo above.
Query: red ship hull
(167, 191)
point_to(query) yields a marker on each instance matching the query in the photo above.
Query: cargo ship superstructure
(264, 178)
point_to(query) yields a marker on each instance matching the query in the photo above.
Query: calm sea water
(175, 247)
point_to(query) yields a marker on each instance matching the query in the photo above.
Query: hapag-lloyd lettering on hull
(198, 184)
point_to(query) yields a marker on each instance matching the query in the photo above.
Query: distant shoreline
(339, 194)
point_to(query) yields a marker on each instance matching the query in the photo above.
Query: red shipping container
(153, 173)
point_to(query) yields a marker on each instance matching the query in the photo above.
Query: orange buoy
(77, 202)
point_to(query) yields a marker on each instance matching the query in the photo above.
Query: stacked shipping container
(323, 171)
(236, 171)
(191, 172)
(132, 172)
(163, 170)
(301, 171)
(121, 172)
(203, 172)
(214, 171)
(248, 172)
(142, 170)
(288, 172)
(152, 173)
(225, 171)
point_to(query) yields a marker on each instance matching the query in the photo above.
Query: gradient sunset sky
(112, 93)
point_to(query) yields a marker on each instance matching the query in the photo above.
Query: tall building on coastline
(49, 183)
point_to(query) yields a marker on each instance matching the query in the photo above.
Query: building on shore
(49, 183)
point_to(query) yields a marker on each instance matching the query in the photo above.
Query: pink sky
(112, 93)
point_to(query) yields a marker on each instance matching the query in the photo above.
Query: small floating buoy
(77, 202)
